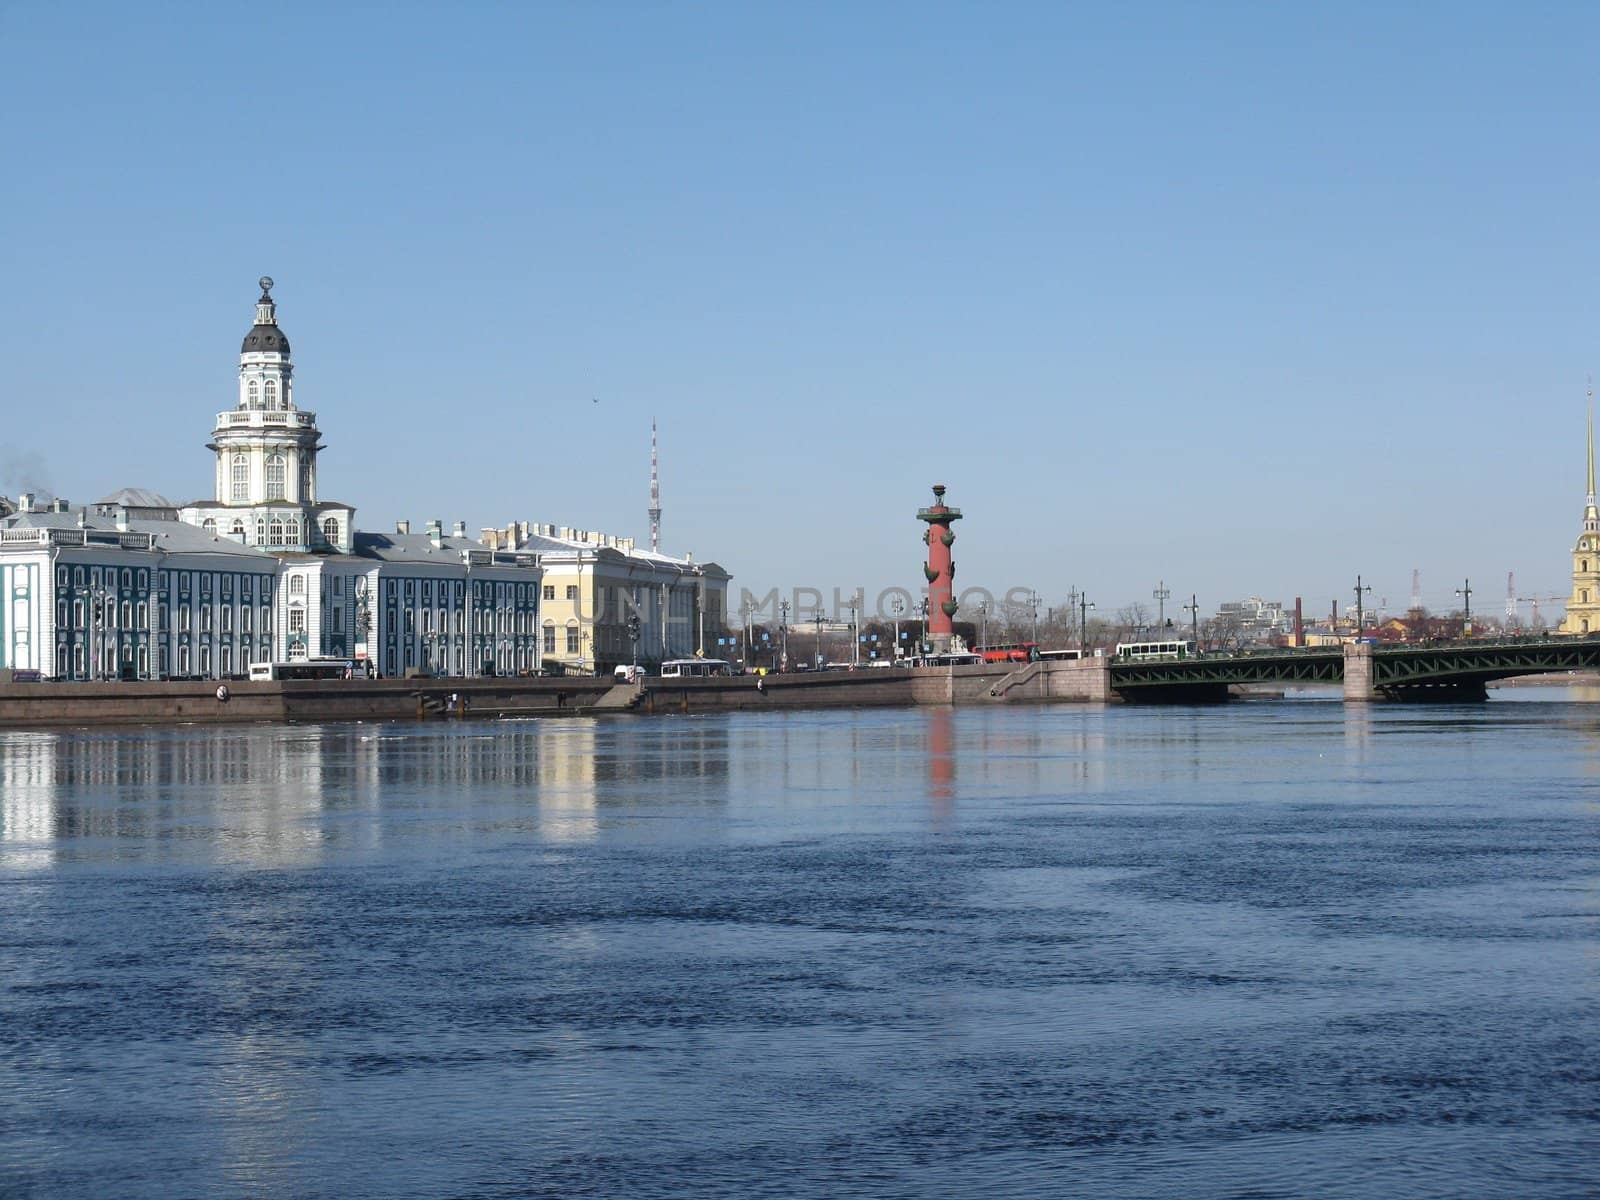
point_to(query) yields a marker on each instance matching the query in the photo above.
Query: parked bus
(304, 668)
(1060, 655)
(1016, 652)
(695, 668)
(952, 659)
(1144, 651)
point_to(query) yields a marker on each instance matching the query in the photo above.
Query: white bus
(1149, 650)
(1059, 655)
(695, 668)
(304, 668)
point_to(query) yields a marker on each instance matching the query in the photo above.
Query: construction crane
(1538, 600)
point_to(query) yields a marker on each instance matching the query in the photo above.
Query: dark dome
(265, 339)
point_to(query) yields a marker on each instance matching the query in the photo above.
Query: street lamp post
(1033, 604)
(897, 606)
(1084, 605)
(983, 623)
(783, 633)
(1465, 592)
(1160, 597)
(1193, 609)
(1360, 616)
(855, 638)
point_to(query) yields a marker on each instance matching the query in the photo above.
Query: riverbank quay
(132, 703)
(123, 703)
(1092, 680)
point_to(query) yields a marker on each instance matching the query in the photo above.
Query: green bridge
(1447, 671)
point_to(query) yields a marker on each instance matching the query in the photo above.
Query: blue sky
(1245, 298)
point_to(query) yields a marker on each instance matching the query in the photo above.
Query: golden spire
(1591, 442)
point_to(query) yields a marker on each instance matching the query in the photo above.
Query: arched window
(261, 531)
(272, 393)
(305, 480)
(252, 394)
(1583, 596)
(297, 585)
(241, 477)
(209, 524)
(291, 531)
(1585, 567)
(330, 531)
(227, 659)
(275, 533)
(238, 529)
(275, 477)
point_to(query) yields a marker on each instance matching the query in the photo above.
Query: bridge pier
(1358, 673)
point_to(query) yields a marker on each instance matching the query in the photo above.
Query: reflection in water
(1292, 949)
(941, 762)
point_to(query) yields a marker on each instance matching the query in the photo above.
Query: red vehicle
(1010, 652)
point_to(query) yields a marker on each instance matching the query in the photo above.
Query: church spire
(1591, 443)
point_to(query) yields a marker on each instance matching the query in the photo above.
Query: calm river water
(1272, 949)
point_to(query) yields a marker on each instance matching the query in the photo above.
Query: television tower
(1416, 588)
(655, 494)
(1511, 597)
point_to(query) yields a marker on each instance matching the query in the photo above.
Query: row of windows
(506, 660)
(254, 393)
(104, 577)
(201, 581)
(444, 589)
(276, 478)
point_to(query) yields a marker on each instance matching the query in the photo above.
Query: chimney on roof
(122, 517)
(83, 518)
(490, 538)
(402, 526)
(435, 533)
(25, 502)
(61, 505)
(459, 529)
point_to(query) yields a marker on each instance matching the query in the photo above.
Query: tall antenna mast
(1511, 597)
(655, 494)
(1416, 587)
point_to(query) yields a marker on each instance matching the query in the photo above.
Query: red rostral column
(941, 569)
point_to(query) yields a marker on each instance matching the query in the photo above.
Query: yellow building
(595, 584)
(1583, 607)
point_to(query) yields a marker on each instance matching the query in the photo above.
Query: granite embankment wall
(39, 704)
(1036, 682)
(289, 700)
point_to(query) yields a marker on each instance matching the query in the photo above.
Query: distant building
(1256, 620)
(140, 504)
(595, 583)
(1583, 607)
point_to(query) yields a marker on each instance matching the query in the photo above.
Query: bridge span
(1458, 670)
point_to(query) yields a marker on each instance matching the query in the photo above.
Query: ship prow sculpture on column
(940, 570)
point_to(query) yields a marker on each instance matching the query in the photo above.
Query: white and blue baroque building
(136, 587)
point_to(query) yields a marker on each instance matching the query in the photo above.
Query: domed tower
(266, 454)
(266, 447)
